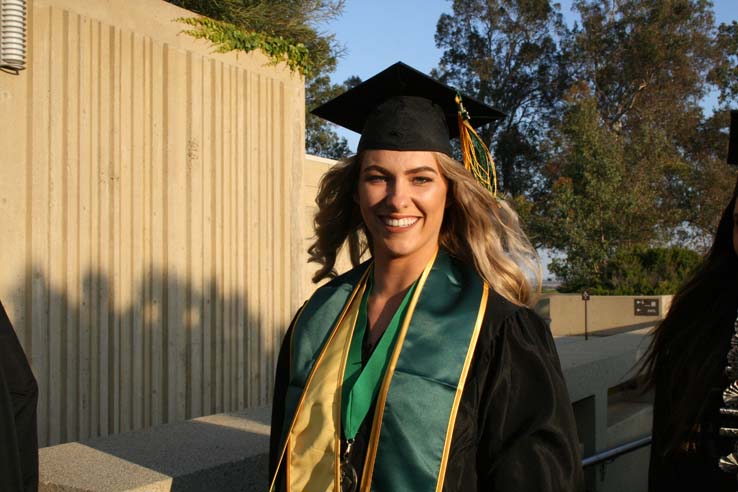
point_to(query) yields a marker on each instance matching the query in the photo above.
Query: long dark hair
(688, 349)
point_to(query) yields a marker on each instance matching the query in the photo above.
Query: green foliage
(606, 195)
(605, 141)
(295, 21)
(633, 162)
(643, 271)
(645, 60)
(707, 181)
(227, 37)
(648, 63)
(724, 74)
(583, 211)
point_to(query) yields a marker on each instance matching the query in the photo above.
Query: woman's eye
(375, 178)
(422, 179)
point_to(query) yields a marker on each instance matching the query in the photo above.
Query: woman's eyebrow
(374, 167)
(421, 169)
(415, 170)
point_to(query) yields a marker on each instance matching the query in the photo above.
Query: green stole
(416, 407)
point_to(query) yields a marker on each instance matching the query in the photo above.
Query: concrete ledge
(226, 452)
(595, 365)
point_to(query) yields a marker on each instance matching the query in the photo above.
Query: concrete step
(225, 452)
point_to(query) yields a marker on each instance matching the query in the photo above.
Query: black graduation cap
(401, 108)
(733, 139)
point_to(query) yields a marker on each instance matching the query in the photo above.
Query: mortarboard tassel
(477, 157)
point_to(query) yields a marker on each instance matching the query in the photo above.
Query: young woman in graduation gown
(421, 369)
(692, 363)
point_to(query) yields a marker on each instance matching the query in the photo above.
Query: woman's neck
(393, 276)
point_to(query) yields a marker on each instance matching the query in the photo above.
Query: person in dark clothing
(18, 398)
(691, 447)
(422, 368)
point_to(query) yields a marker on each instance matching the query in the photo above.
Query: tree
(608, 192)
(582, 209)
(648, 271)
(605, 146)
(645, 60)
(724, 74)
(708, 182)
(642, 68)
(287, 30)
(649, 63)
(505, 53)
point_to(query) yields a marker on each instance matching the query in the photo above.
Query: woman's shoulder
(504, 310)
(504, 316)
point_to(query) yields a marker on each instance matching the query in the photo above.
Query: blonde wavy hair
(477, 229)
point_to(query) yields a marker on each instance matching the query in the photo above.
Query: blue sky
(378, 33)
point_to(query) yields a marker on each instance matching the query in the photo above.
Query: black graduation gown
(515, 428)
(18, 398)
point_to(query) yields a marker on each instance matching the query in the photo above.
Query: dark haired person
(18, 397)
(422, 369)
(692, 445)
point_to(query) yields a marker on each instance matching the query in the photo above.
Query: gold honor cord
(477, 157)
(285, 447)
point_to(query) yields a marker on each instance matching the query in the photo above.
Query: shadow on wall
(113, 354)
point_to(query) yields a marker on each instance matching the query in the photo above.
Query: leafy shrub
(643, 271)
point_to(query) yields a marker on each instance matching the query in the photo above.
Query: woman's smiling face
(402, 197)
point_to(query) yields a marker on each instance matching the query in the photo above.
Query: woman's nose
(398, 195)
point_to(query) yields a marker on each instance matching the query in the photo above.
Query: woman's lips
(399, 223)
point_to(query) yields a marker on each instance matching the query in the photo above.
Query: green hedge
(644, 271)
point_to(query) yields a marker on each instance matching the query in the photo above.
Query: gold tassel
(477, 157)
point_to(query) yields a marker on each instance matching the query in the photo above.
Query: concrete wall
(605, 314)
(151, 253)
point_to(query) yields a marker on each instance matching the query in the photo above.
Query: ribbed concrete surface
(149, 188)
(226, 452)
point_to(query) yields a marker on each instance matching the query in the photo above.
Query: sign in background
(646, 307)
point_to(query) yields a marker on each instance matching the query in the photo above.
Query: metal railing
(612, 453)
